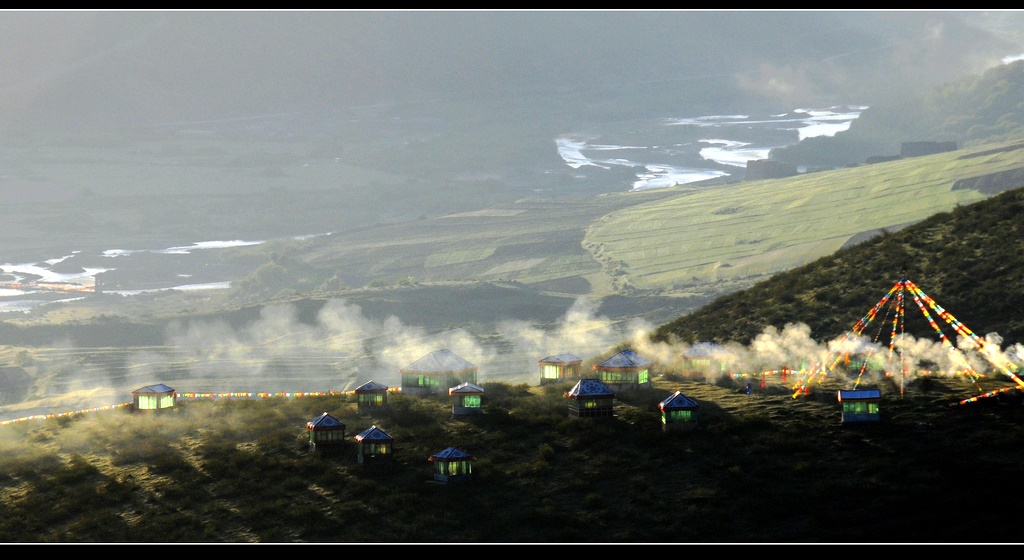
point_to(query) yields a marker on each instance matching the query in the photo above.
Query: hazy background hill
(69, 70)
(275, 123)
(424, 98)
(968, 111)
(420, 140)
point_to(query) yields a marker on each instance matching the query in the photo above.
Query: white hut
(559, 367)
(625, 370)
(153, 397)
(467, 398)
(440, 368)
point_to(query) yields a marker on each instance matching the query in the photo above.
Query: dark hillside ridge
(970, 260)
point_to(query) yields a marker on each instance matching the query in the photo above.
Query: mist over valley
(426, 179)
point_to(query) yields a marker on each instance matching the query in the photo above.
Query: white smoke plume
(343, 348)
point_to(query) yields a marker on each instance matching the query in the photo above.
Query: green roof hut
(678, 412)
(590, 398)
(374, 446)
(625, 370)
(560, 367)
(452, 465)
(153, 397)
(440, 368)
(467, 398)
(371, 396)
(325, 430)
(860, 405)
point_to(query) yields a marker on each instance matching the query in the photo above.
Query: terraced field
(731, 236)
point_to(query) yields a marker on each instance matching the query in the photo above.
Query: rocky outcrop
(992, 183)
(769, 169)
(915, 149)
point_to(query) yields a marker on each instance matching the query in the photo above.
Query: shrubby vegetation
(762, 467)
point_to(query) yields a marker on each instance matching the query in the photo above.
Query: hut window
(612, 376)
(550, 372)
(860, 407)
(414, 380)
(373, 399)
(680, 415)
(425, 381)
(167, 401)
(589, 404)
(147, 402)
(643, 376)
(459, 467)
(326, 435)
(471, 401)
(376, 449)
(420, 381)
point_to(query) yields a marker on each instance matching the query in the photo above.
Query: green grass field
(737, 234)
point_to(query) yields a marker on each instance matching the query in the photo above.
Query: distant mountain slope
(969, 111)
(724, 237)
(110, 68)
(684, 245)
(969, 260)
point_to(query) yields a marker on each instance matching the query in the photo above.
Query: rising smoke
(344, 348)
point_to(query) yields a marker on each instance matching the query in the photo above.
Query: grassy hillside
(761, 468)
(967, 259)
(721, 238)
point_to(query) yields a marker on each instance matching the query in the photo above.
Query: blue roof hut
(452, 465)
(371, 396)
(625, 370)
(560, 367)
(374, 446)
(440, 368)
(591, 398)
(153, 397)
(467, 398)
(325, 430)
(678, 412)
(860, 405)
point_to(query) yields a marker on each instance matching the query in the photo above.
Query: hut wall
(332, 436)
(154, 402)
(590, 408)
(419, 383)
(371, 400)
(453, 471)
(625, 379)
(860, 411)
(678, 419)
(375, 452)
(468, 404)
(551, 373)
